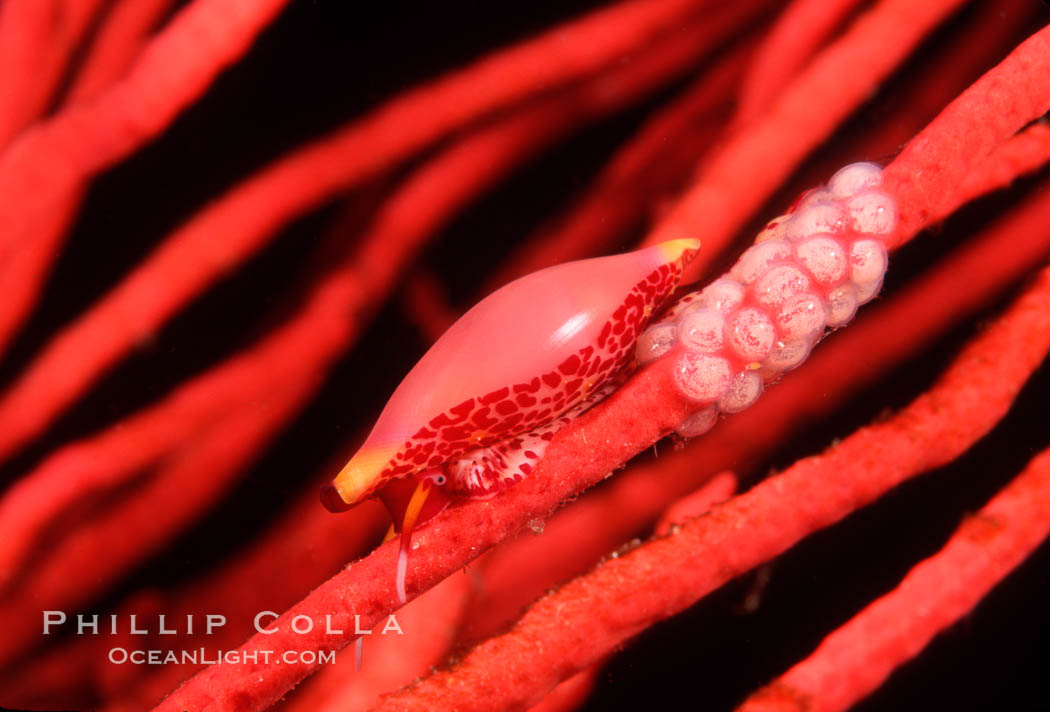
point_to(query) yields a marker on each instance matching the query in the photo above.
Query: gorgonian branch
(44, 171)
(857, 657)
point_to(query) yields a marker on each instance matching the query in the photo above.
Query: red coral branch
(430, 624)
(797, 35)
(37, 40)
(570, 694)
(655, 161)
(1023, 153)
(590, 616)
(856, 658)
(718, 489)
(756, 160)
(950, 149)
(956, 63)
(426, 302)
(112, 458)
(24, 32)
(41, 174)
(115, 45)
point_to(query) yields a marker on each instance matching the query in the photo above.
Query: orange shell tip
(683, 249)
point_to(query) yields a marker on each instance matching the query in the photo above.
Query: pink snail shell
(522, 358)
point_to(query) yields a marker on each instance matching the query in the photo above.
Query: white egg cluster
(807, 271)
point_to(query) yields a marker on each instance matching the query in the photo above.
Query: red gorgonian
(229, 227)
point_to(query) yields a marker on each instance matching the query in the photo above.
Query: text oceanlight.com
(123, 656)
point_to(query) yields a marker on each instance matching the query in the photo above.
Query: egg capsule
(808, 271)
